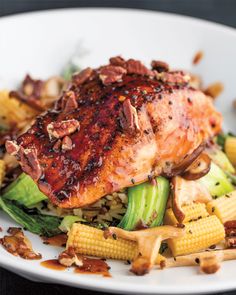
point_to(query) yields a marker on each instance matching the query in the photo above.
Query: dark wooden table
(222, 11)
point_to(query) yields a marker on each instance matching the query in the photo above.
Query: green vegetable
(68, 221)
(231, 177)
(216, 181)
(24, 191)
(69, 70)
(220, 138)
(146, 203)
(37, 223)
(220, 158)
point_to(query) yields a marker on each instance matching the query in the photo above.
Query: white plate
(41, 44)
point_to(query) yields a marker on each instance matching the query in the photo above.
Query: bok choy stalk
(146, 204)
(221, 159)
(216, 181)
(231, 177)
(68, 221)
(24, 191)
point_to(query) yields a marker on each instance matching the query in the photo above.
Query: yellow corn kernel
(223, 207)
(230, 149)
(87, 240)
(2, 171)
(192, 212)
(199, 235)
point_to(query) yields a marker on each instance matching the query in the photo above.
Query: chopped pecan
(129, 117)
(174, 77)
(18, 244)
(160, 66)
(69, 257)
(83, 76)
(111, 74)
(214, 89)
(32, 87)
(230, 228)
(30, 163)
(230, 224)
(57, 145)
(12, 147)
(67, 143)
(30, 93)
(230, 242)
(63, 128)
(230, 232)
(136, 67)
(197, 57)
(69, 102)
(117, 61)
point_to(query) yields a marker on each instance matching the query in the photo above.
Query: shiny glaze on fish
(109, 151)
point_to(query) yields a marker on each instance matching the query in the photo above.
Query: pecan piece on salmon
(66, 143)
(160, 66)
(30, 163)
(136, 67)
(111, 74)
(117, 61)
(174, 77)
(62, 128)
(129, 117)
(122, 132)
(69, 102)
(83, 76)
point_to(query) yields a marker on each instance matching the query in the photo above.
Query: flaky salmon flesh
(115, 127)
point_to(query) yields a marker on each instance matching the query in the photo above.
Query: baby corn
(192, 212)
(199, 235)
(230, 149)
(2, 171)
(88, 240)
(224, 207)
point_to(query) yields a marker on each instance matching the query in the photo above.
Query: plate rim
(109, 285)
(97, 283)
(192, 19)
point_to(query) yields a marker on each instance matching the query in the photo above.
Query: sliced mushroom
(183, 165)
(209, 261)
(200, 167)
(186, 192)
(149, 242)
(52, 87)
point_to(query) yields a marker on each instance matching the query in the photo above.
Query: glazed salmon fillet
(115, 127)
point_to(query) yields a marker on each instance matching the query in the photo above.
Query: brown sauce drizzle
(93, 266)
(18, 244)
(58, 240)
(53, 264)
